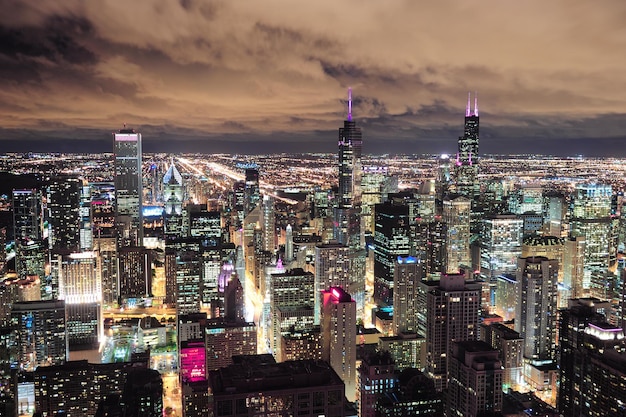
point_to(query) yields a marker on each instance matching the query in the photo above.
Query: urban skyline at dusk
(249, 77)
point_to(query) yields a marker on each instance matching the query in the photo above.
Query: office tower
(288, 243)
(143, 394)
(292, 298)
(134, 273)
(233, 293)
(85, 224)
(252, 190)
(531, 199)
(428, 242)
(591, 219)
(443, 178)
(339, 335)
(105, 248)
(467, 159)
(476, 375)
(269, 224)
(554, 214)
(64, 204)
(41, 337)
(203, 223)
(187, 268)
(128, 187)
(347, 223)
(81, 287)
(510, 346)
(391, 240)
(535, 314)
(456, 215)
(407, 276)
(305, 388)
(574, 265)
(500, 245)
(173, 198)
(376, 377)
(27, 215)
(452, 315)
(415, 395)
(31, 251)
(333, 268)
(227, 338)
(376, 184)
(408, 350)
(3, 247)
(506, 296)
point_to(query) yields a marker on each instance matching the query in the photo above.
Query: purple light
(349, 104)
(467, 109)
(613, 329)
(192, 362)
(476, 103)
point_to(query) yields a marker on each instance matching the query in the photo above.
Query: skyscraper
(128, 187)
(40, 333)
(452, 316)
(391, 240)
(339, 336)
(407, 276)
(376, 377)
(347, 227)
(173, 197)
(64, 200)
(333, 268)
(467, 159)
(456, 214)
(535, 315)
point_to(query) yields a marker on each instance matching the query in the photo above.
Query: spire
(468, 108)
(476, 103)
(349, 104)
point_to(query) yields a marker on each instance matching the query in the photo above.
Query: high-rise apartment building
(500, 245)
(407, 276)
(535, 315)
(128, 187)
(453, 308)
(333, 268)
(339, 336)
(510, 345)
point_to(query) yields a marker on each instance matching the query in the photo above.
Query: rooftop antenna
(476, 103)
(349, 104)
(467, 109)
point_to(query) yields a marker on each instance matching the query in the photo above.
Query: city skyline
(249, 77)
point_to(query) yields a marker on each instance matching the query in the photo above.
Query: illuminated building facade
(391, 240)
(173, 198)
(128, 187)
(41, 333)
(408, 350)
(535, 314)
(476, 377)
(415, 396)
(134, 273)
(591, 219)
(333, 268)
(408, 273)
(347, 222)
(456, 215)
(500, 245)
(306, 388)
(227, 338)
(63, 204)
(453, 308)
(376, 376)
(339, 336)
(467, 157)
(81, 287)
(510, 345)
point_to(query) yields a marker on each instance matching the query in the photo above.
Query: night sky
(271, 75)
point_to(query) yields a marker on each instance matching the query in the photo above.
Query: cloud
(273, 70)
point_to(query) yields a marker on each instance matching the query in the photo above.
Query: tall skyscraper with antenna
(467, 158)
(347, 226)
